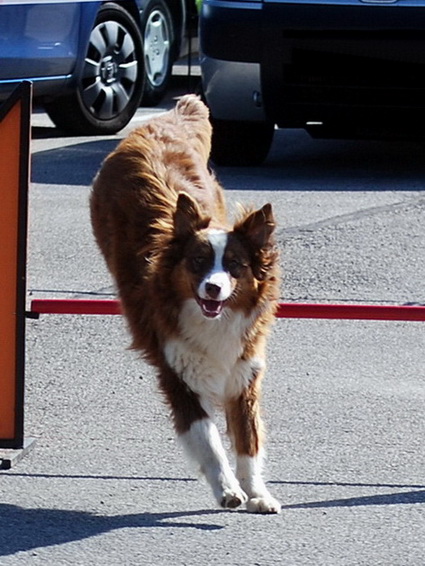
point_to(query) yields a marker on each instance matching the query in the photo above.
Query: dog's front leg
(245, 429)
(202, 443)
(201, 440)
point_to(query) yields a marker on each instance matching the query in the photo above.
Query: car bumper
(233, 85)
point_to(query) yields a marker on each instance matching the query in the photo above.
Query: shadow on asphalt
(182, 479)
(48, 132)
(97, 477)
(297, 162)
(71, 165)
(24, 529)
(402, 498)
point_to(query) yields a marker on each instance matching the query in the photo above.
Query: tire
(111, 83)
(240, 143)
(158, 47)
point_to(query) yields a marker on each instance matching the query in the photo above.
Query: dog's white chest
(207, 353)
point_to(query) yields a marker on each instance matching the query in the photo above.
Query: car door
(38, 39)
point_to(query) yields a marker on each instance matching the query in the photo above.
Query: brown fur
(133, 206)
(152, 195)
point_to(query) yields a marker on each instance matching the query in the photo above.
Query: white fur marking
(217, 276)
(207, 353)
(203, 444)
(248, 472)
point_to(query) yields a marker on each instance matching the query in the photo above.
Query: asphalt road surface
(343, 400)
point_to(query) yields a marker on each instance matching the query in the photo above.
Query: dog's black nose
(212, 290)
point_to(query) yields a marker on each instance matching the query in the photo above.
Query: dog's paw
(266, 504)
(232, 498)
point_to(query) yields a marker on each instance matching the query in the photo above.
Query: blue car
(338, 68)
(92, 63)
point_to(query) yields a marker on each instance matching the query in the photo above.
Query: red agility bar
(75, 306)
(285, 310)
(351, 312)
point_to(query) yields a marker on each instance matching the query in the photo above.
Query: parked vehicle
(338, 68)
(92, 62)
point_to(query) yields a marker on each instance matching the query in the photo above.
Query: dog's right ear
(188, 219)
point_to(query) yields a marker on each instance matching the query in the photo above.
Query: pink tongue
(211, 308)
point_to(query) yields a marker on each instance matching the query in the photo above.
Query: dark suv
(338, 68)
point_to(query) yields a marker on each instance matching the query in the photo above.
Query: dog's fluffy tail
(193, 115)
(191, 106)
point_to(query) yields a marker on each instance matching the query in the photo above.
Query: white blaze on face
(217, 276)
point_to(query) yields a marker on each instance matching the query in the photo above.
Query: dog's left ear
(188, 218)
(258, 228)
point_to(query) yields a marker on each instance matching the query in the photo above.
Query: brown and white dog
(199, 294)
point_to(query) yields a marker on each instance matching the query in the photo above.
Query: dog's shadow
(23, 529)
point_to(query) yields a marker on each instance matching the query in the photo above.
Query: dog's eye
(236, 267)
(198, 262)
(234, 264)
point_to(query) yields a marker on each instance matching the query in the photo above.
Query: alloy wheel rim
(157, 47)
(110, 70)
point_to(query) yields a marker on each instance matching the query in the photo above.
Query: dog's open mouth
(210, 308)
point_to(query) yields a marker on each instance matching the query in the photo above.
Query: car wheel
(158, 41)
(111, 83)
(240, 143)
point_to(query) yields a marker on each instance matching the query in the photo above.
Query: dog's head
(219, 267)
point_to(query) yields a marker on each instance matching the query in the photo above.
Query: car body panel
(46, 41)
(338, 63)
(223, 79)
(41, 42)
